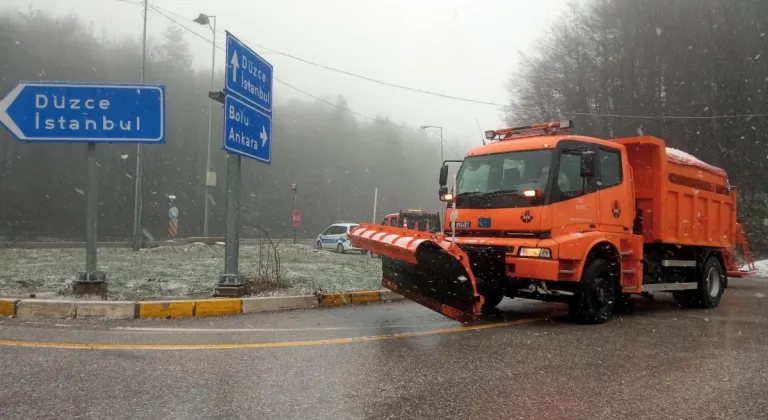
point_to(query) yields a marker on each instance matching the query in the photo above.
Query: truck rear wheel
(594, 298)
(711, 285)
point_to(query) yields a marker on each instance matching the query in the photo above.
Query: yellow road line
(362, 339)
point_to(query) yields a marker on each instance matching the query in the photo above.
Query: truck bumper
(541, 269)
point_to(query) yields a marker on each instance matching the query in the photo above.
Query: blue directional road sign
(85, 112)
(248, 75)
(248, 102)
(247, 130)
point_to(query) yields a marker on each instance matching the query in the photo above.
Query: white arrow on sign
(5, 118)
(263, 136)
(236, 66)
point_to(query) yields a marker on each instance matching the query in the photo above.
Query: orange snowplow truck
(541, 214)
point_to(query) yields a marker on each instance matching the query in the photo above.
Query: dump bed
(683, 200)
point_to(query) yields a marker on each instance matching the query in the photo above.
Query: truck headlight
(535, 253)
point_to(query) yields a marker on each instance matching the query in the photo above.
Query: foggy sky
(457, 47)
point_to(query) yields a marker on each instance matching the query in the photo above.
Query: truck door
(575, 204)
(615, 193)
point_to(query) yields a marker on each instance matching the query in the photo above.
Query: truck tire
(594, 298)
(492, 300)
(711, 285)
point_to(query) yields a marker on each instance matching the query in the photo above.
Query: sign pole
(91, 210)
(295, 225)
(91, 281)
(231, 284)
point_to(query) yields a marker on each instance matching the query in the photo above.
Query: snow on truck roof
(538, 141)
(683, 158)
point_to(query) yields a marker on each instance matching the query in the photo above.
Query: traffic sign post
(248, 133)
(76, 112)
(296, 223)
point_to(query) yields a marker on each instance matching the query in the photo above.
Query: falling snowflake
(79, 191)
(124, 157)
(658, 31)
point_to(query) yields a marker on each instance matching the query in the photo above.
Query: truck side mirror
(588, 164)
(443, 175)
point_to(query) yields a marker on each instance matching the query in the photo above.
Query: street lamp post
(424, 127)
(210, 21)
(137, 203)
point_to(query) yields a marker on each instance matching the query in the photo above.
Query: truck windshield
(514, 171)
(498, 180)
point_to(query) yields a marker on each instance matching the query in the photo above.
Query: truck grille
(487, 261)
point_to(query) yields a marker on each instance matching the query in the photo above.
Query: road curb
(218, 307)
(334, 299)
(36, 308)
(167, 309)
(278, 303)
(8, 307)
(105, 309)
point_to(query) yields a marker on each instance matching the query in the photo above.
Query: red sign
(296, 218)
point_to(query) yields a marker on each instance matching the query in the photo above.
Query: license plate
(463, 225)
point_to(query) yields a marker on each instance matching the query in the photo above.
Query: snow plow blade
(425, 268)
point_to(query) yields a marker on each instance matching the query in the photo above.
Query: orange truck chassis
(542, 214)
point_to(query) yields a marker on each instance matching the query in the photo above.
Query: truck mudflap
(424, 267)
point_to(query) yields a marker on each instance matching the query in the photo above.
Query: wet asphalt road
(657, 362)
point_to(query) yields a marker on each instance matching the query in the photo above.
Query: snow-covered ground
(762, 268)
(182, 271)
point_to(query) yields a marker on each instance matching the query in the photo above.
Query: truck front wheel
(492, 300)
(711, 284)
(594, 298)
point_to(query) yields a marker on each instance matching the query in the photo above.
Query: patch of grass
(186, 271)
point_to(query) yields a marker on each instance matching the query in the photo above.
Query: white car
(335, 237)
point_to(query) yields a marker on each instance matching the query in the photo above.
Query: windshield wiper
(502, 192)
(470, 194)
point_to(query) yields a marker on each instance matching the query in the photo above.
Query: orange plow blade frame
(424, 267)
